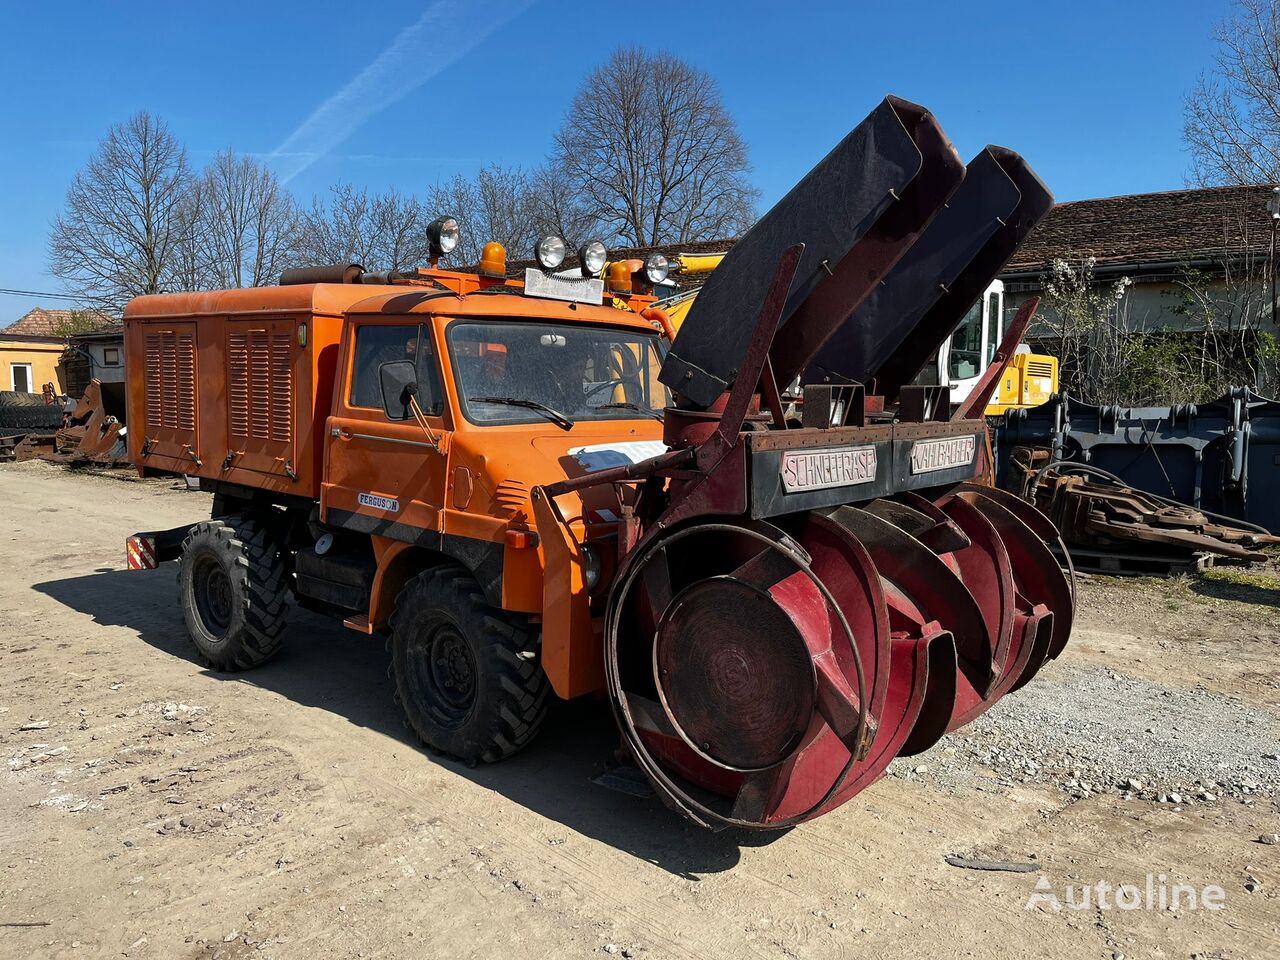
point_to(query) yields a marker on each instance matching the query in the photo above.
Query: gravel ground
(1089, 729)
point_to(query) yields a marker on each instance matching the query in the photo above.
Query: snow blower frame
(797, 603)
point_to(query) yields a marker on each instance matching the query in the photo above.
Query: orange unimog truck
(371, 442)
(533, 486)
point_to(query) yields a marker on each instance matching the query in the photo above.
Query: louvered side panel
(185, 381)
(281, 412)
(260, 395)
(170, 391)
(238, 385)
(259, 385)
(168, 380)
(170, 376)
(151, 376)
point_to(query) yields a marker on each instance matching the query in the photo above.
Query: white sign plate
(379, 503)
(804, 470)
(571, 289)
(944, 454)
(598, 456)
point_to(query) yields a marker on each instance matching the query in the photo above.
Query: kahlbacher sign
(944, 454)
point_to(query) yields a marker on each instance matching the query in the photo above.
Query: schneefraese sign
(943, 454)
(804, 470)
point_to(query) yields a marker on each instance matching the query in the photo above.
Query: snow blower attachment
(797, 602)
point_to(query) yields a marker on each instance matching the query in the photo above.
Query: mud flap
(572, 657)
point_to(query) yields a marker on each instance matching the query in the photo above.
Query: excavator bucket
(798, 603)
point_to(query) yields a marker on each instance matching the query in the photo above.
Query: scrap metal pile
(797, 605)
(40, 426)
(92, 433)
(1172, 481)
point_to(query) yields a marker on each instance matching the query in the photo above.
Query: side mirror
(399, 380)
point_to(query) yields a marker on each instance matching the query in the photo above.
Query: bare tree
(497, 204)
(556, 207)
(124, 216)
(337, 229)
(245, 224)
(653, 153)
(386, 231)
(188, 266)
(400, 231)
(1231, 117)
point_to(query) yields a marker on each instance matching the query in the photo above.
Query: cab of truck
(447, 415)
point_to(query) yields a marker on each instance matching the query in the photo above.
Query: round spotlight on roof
(549, 251)
(656, 268)
(443, 234)
(592, 258)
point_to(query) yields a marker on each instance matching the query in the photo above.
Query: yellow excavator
(1028, 381)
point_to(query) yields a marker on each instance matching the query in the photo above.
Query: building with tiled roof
(41, 322)
(1179, 251)
(1147, 231)
(34, 347)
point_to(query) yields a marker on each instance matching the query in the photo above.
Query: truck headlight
(443, 234)
(656, 268)
(592, 258)
(591, 566)
(549, 251)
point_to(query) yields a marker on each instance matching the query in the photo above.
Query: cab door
(385, 472)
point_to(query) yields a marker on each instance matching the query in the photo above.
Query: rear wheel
(466, 674)
(233, 583)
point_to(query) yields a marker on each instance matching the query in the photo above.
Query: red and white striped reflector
(140, 552)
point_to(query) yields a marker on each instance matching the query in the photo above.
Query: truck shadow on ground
(328, 667)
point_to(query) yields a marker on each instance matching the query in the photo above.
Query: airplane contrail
(445, 33)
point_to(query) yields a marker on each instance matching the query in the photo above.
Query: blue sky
(1089, 92)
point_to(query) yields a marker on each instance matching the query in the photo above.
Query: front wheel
(467, 675)
(234, 586)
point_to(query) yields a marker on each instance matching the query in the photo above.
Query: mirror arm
(419, 416)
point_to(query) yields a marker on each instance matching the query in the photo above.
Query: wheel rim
(442, 673)
(213, 596)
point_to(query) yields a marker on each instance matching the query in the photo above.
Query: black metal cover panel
(1222, 456)
(829, 211)
(1035, 201)
(891, 314)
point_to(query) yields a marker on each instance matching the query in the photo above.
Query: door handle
(344, 434)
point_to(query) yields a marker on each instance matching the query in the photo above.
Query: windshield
(513, 372)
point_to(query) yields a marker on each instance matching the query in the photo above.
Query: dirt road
(152, 808)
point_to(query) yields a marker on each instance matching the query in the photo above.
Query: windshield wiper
(552, 414)
(628, 405)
